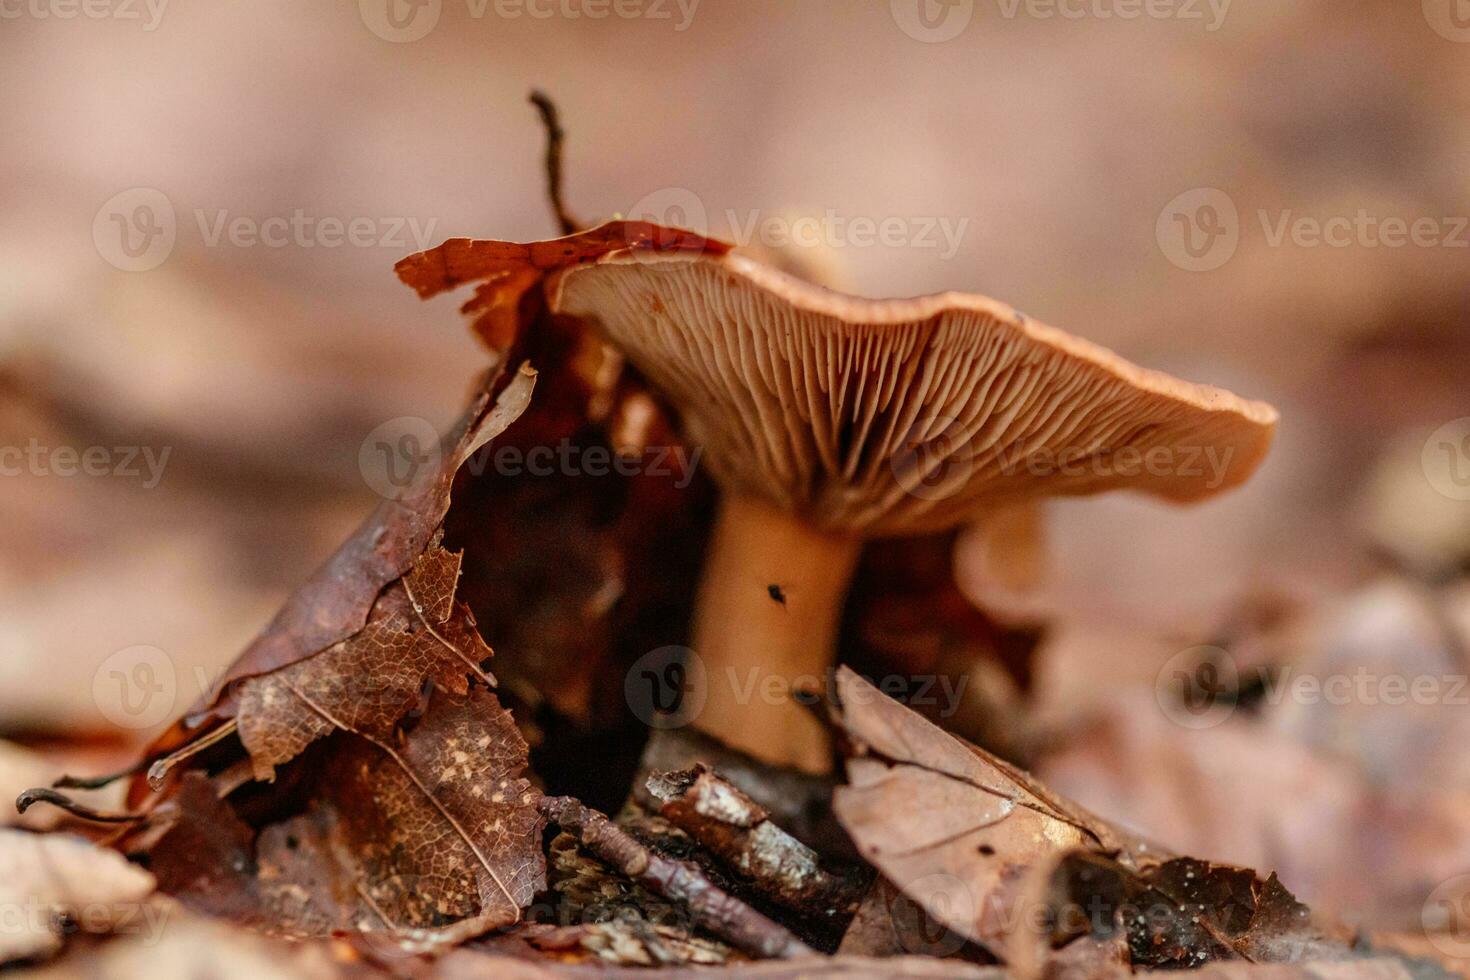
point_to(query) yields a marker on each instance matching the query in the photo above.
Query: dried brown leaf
(952, 826)
(424, 844)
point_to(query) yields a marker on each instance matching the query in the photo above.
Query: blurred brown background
(203, 202)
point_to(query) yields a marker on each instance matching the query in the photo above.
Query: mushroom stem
(765, 624)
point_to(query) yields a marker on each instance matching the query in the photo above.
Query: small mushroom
(829, 419)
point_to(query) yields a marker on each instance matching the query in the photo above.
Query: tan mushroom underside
(895, 416)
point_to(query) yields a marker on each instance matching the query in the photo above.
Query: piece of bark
(800, 802)
(715, 910)
(741, 834)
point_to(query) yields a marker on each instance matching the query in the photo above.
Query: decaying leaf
(337, 602)
(952, 826)
(432, 841)
(508, 272)
(1183, 913)
(52, 884)
(990, 853)
(417, 632)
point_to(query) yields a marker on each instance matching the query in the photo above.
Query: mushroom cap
(891, 417)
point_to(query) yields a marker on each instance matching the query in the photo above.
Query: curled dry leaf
(338, 601)
(509, 272)
(412, 820)
(952, 826)
(50, 884)
(993, 855)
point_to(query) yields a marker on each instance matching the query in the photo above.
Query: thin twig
(159, 771)
(31, 797)
(555, 137)
(739, 831)
(722, 914)
(96, 782)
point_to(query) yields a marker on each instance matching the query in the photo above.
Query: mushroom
(829, 419)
